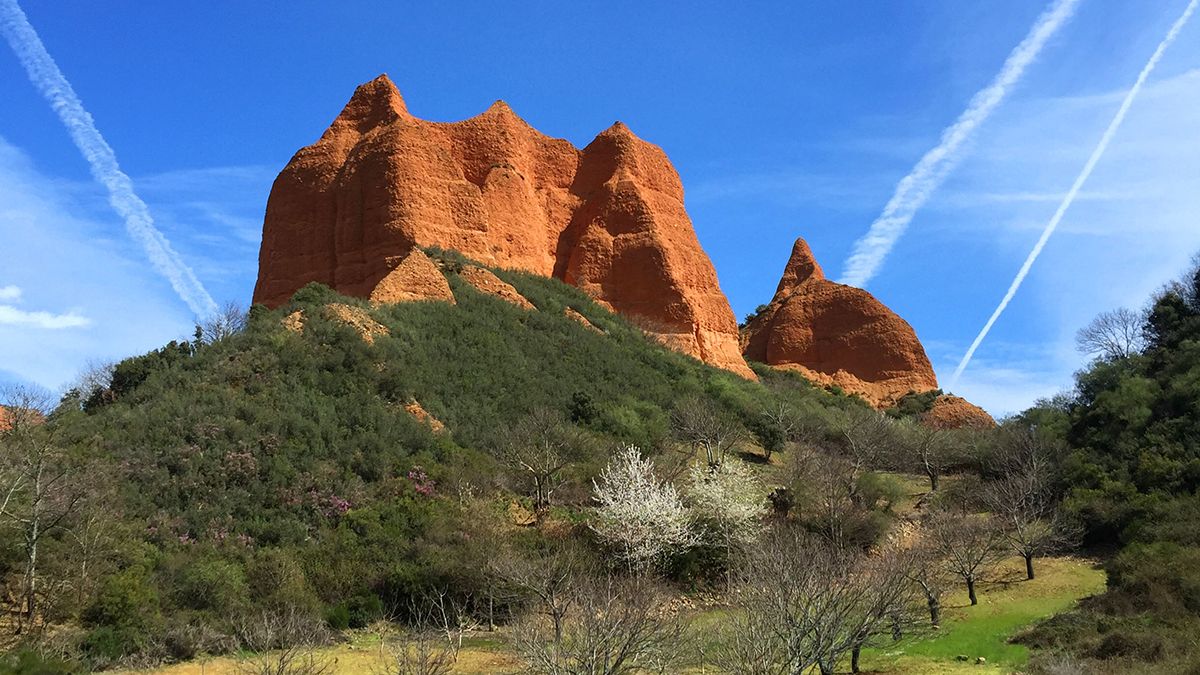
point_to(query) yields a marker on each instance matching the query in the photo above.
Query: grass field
(1007, 603)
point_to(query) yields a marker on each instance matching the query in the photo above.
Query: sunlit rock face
(347, 210)
(837, 335)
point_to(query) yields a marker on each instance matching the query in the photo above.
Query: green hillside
(279, 468)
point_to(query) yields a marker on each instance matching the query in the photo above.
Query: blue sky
(783, 119)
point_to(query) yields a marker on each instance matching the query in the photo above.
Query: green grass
(1007, 604)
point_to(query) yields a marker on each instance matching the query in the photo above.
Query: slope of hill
(283, 465)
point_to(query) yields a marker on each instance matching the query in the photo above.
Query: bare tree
(539, 448)
(637, 514)
(552, 579)
(431, 644)
(968, 544)
(827, 494)
(928, 574)
(928, 450)
(96, 376)
(94, 532)
(228, 321)
(1112, 335)
(284, 642)
(868, 435)
(705, 427)
(1024, 502)
(41, 490)
(926, 569)
(807, 604)
(616, 626)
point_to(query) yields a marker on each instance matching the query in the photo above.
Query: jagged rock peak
(609, 219)
(373, 104)
(837, 335)
(801, 267)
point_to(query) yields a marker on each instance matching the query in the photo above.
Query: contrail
(46, 76)
(919, 185)
(1075, 187)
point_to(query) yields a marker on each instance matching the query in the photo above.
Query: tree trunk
(825, 668)
(854, 654)
(32, 538)
(897, 631)
(1029, 565)
(935, 611)
(933, 481)
(971, 591)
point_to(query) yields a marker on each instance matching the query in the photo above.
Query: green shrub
(338, 617)
(31, 662)
(126, 600)
(218, 586)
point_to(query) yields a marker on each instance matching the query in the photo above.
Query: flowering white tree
(639, 515)
(729, 503)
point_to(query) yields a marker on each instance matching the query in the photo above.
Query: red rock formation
(609, 218)
(12, 416)
(953, 412)
(837, 334)
(415, 278)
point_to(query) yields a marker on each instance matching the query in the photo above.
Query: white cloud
(63, 248)
(11, 316)
(10, 293)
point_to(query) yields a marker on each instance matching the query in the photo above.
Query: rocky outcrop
(608, 218)
(574, 315)
(415, 409)
(6, 421)
(416, 278)
(366, 327)
(486, 282)
(294, 322)
(837, 335)
(954, 412)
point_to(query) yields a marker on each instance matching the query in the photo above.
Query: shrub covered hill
(301, 460)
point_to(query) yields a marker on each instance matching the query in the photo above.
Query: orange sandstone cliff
(609, 219)
(837, 335)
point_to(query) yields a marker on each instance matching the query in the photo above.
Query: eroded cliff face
(347, 210)
(837, 335)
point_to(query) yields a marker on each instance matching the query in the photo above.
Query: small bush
(1142, 646)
